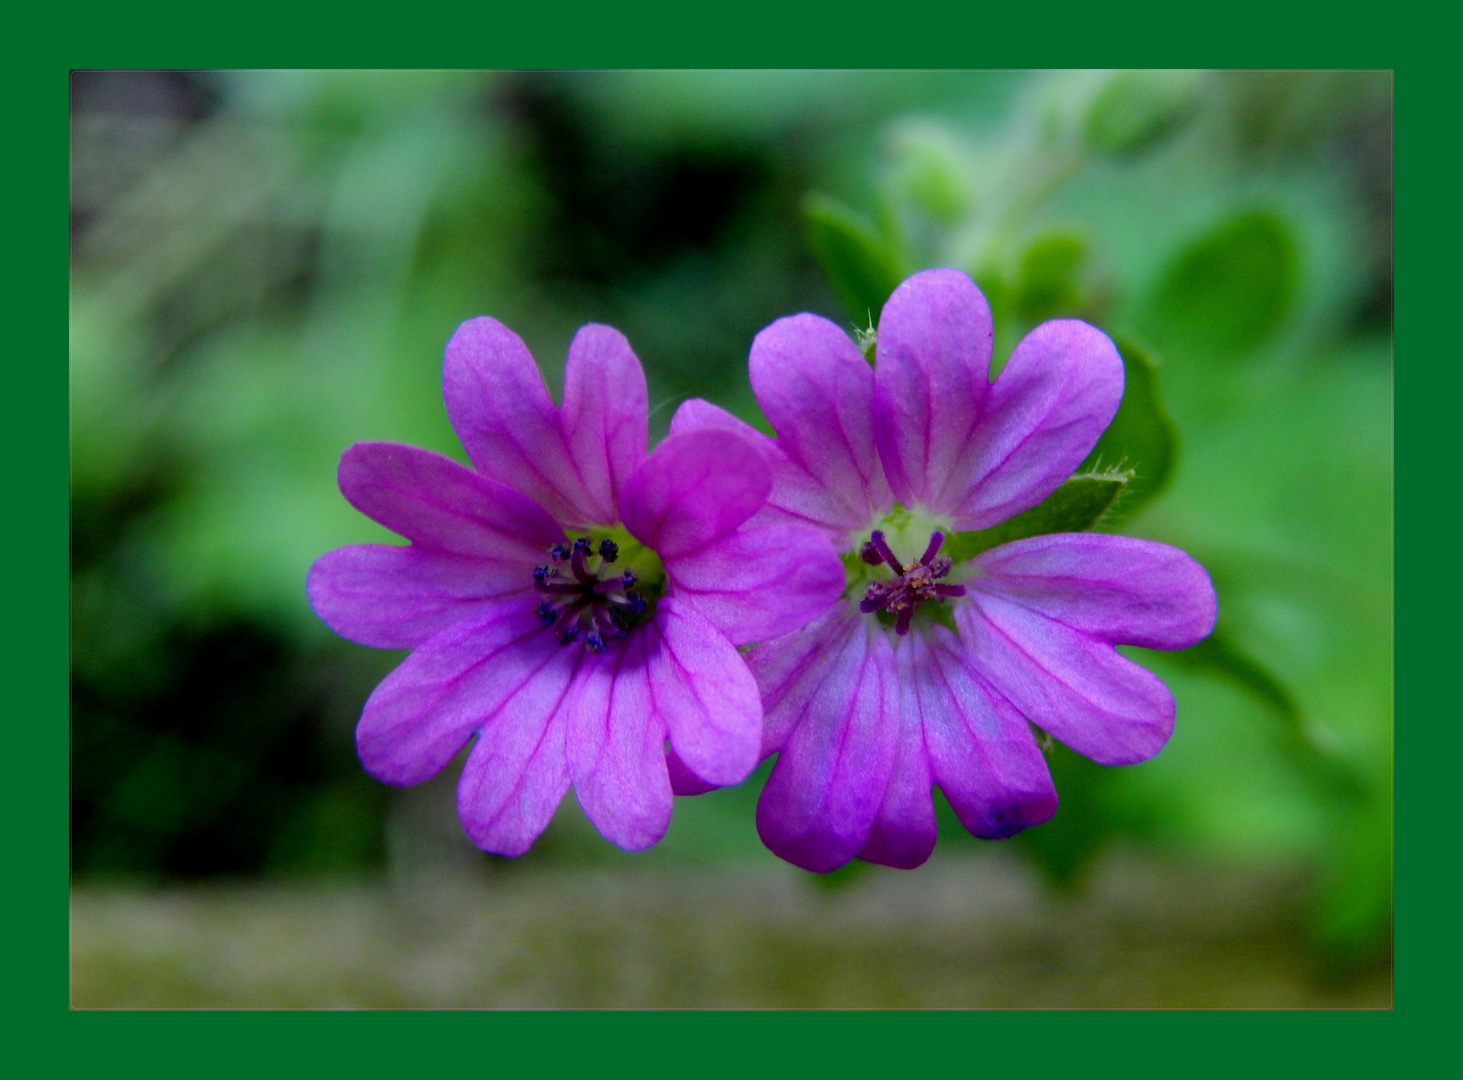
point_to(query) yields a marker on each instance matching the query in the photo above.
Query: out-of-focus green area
(268, 264)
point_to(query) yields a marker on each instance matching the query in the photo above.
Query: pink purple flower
(927, 672)
(573, 603)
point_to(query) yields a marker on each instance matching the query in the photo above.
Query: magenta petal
(421, 714)
(817, 391)
(438, 504)
(702, 689)
(833, 770)
(502, 412)
(759, 582)
(1077, 687)
(797, 498)
(1114, 588)
(604, 414)
(683, 780)
(626, 790)
(694, 488)
(783, 668)
(1053, 399)
(930, 384)
(516, 774)
(981, 750)
(903, 832)
(397, 597)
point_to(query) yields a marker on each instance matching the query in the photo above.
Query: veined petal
(396, 597)
(931, 380)
(1053, 399)
(693, 489)
(833, 770)
(797, 497)
(626, 792)
(516, 773)
(903, 832)
(440, 505)
(604, 415)
(700, 686)
(1077, 687)
(683, 780)
(1114, 588)
(454, 684)
(818, 393)
(502, 412)
(789, 671)
(981, 750)
(760, 581)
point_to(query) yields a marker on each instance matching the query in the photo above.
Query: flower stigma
(911, 586)
(597, 589)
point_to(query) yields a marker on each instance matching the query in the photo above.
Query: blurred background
(266, 267)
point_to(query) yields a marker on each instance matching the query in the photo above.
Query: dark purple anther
(903, 594)
(603, 608)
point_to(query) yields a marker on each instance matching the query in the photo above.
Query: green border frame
(821, 35)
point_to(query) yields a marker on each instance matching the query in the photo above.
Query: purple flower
(573, 603)
(927, 672)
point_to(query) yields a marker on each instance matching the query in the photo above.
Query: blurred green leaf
(1223, 657)
(1048, 287)
(1229, 290)
(1076, 506)
(854, 258)
(1141, 437)
(1064, 847)
(930, 171)
(1135, 109)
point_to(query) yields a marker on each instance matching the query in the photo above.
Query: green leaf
(1223, 657)
(1141, 437)
(1048, 287)
(855, 259)
(1136, 109)
(1229, 290)
(1076, 506)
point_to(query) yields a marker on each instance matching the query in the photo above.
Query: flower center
(910, 587)
(582, 598)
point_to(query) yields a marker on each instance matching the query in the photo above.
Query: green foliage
(1076, 506)
(856, 260)
(1048, 286)
(1134, 110)
(1141, 437)
(1229, 290)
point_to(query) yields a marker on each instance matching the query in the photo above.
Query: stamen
(904, 594)
(582, 605)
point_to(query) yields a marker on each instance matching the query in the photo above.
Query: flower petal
(759, 582)
(440, 505)
(797, 498)
(1053, 399)
(605, 411)
(693, 489)
(455, 683)
(516, 774)
(834, 768)
(396, 597)
(1114, 588)
(1077, 687)
(626, 791)
(502, 412)
(903, 832)
(817, 390)
(788, 670)
(701, 687)
(683, 780)
(930, 384)
(981, 750)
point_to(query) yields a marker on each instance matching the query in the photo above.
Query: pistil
(910, 587)
(586, 600)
